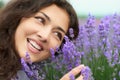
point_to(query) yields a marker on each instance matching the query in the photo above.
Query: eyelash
(59, 35)
(42, 20)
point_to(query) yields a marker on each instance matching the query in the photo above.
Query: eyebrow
(59, 28)
(48, 18)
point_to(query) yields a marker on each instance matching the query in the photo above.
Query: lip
(31, 48)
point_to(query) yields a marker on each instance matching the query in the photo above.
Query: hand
(74, 72)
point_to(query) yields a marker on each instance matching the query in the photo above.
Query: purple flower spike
(29, 68)
(72, 77)
(27, 57)
(71, 32)
(87, 74)
(52, 51)
(26, 68)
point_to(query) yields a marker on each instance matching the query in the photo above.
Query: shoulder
(21, 75)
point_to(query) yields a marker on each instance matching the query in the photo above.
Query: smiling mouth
(35, 45)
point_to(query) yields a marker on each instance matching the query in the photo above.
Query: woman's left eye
(42, 20)
(59, 35)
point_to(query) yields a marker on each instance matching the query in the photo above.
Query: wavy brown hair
(10, 18)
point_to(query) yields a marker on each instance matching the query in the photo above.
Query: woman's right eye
(40, 19)
(59, 35)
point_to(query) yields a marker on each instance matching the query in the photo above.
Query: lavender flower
(71, 33)
(101, 45)
(72, 77)
(29, 68)
(86, 73)
(26, 68)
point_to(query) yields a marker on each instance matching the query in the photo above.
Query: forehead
(57, 15)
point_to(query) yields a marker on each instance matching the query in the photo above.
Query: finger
(76, 70)
(80, 77)
(73, 72)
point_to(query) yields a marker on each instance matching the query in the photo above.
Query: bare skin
(74, 72)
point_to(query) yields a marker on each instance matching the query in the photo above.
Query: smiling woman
(41, 32)
(33, 26)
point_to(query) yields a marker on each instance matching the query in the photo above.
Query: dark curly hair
(10, 18)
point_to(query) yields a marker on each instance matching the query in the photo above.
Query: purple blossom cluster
(86, 72)
(98, 40)
(72, 77)
(101, 38)
(31, 70)
(68, 58)
(112, 39)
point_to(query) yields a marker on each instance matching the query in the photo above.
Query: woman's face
(37, 34)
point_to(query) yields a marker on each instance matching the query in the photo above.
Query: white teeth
(35, 45)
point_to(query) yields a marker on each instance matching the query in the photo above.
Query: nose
(44, 35)
(42, 39)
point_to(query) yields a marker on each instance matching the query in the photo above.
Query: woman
(33, 26)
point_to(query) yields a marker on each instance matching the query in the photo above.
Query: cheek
(54, 43)
(27, 26)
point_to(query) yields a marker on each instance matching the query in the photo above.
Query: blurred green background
(97, 8)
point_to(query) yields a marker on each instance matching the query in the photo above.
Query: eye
(40, 19)
(59, 35)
